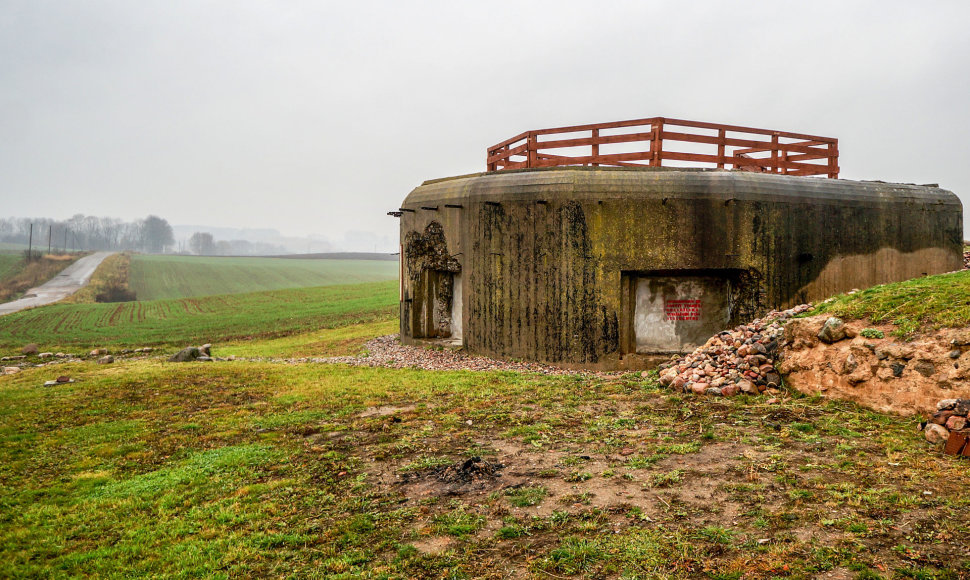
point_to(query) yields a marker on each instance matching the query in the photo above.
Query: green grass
(160, 277)
(9, 264)
(318, 343)
(260, 470)
(211, 319)
(255, 469)
(930, 302)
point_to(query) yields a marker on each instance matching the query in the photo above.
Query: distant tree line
(152, 234)
(204, 244)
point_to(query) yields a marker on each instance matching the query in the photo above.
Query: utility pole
(65, 240)
(30, 244)
(50, 231)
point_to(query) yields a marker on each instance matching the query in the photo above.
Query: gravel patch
(387, 351)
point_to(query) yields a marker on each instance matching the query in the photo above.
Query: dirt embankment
(109, 283)
(885, 374)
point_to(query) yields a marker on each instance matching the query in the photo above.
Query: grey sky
(318, 117)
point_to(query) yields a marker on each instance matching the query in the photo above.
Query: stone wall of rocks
(950, 425)
(741, 360)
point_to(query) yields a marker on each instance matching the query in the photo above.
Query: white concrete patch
(456, 308)
(677, 313)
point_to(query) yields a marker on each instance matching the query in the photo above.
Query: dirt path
(69, 281)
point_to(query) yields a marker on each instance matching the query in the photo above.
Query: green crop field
(196, 320)
(156, 277)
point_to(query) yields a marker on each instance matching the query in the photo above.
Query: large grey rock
(187, 354)
(946, 404)
(106, 360)
(936, 433)
(832, 331)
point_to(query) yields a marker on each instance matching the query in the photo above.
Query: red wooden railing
(724, 146)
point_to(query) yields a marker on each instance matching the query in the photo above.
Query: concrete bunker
(607, 267)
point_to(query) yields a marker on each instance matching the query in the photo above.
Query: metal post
(30, 244)
(50, 230)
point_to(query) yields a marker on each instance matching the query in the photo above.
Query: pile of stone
(735, 361)
(193, 353)
(950, 425)
(966, 260)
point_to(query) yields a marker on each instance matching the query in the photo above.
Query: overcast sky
(319, 117)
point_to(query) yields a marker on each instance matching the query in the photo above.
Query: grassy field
(257, 469)
(920, 304)
(252, 470)
(198, 320)
(158, 277)
(9, 264)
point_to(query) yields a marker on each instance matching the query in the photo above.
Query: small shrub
(576, 555)
(679, 448)
(511, 532)
(716, 534)
(579, 476)
(872, 333)
(666, 479)
(458, 523)
(526, 496)
(115, 294)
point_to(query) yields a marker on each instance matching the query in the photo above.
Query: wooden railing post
(595, 151)
(531, 150)
(656, 143)
(834, 159)
(721, 134)
(774, 153)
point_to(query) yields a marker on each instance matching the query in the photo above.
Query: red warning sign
(682, 309)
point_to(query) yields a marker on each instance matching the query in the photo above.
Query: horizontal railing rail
(721, 146)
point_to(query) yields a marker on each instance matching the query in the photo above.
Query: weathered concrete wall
(550, 260)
